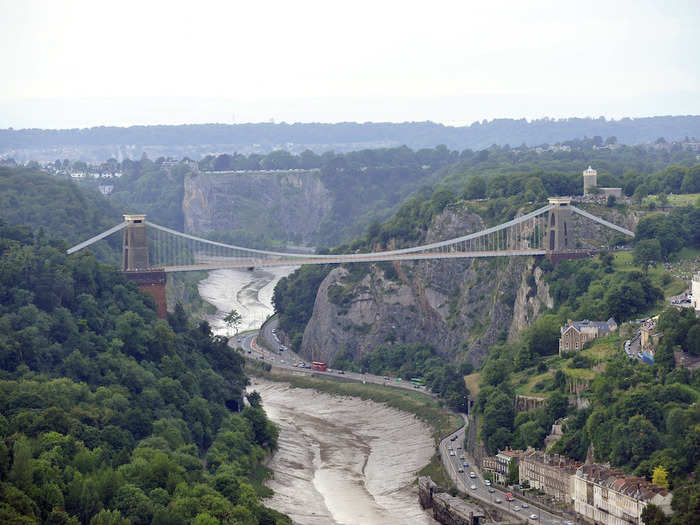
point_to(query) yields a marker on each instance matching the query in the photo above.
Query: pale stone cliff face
(531, 300)
(461, 306)
(287, 206)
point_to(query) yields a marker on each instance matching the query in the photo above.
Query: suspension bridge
(150, 251)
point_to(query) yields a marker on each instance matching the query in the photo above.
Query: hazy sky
(81, 63)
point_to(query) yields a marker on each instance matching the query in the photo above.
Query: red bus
(318, 365)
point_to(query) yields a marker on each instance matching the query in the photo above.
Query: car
(509, 497)
(472, 475)
(452, 452)
(473, 487)
(499, 500)
(487, 483)
(461, 456)
(525, 505)
(492, 490)
(386, 378)
(533, 516)
(569, 523)
(453, 438)
(465, 464)
(340, 372)
(460, 470)
(398, 379)
(516, 508)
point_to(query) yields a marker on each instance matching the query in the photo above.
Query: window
(576, 345)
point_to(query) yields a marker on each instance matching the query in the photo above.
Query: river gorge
(341, 460)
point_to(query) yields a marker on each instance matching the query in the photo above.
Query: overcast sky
(85, 63)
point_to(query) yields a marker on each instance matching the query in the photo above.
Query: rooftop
(633, 486)
(605, 326)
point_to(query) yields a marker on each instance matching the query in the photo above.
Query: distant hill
(199, 139)
(63, 209)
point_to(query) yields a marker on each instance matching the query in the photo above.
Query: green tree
(476, 188)
(647, 252)
(233, 319)
(653, 515)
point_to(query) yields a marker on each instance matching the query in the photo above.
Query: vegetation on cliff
(110, 415)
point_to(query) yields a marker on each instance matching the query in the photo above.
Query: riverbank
(247, 292)
(343, 459)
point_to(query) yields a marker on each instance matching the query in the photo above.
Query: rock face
(288, 205)
(461, 306)
(531, 300)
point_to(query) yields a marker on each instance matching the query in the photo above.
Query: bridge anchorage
(150, 251)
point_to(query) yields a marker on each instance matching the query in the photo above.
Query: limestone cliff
(287, 205)
(531, 300)
(461, 306)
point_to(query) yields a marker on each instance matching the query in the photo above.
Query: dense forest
(269, 136)
(110, 415)
(57, 207)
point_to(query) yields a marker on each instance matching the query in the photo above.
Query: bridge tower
(559, 236)
(136, 266)
(135, 245)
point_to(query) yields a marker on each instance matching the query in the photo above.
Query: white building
(610, 497)
(695, 292)
(590, 179)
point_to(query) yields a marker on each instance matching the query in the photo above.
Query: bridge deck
(246, 263)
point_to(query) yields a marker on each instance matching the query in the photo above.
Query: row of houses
(599, 493)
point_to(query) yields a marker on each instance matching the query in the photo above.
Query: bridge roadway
(296, 261)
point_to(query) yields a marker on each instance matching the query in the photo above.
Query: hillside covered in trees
(109, 415)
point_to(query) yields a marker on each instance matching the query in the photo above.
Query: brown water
(248, 292)
(342, 460)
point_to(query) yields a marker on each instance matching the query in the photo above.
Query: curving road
(453, 458)
(289, 360)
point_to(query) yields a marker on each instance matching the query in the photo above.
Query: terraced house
(550, 473)
(610, 497)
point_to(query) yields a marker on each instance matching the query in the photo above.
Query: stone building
(590, 181)
(610, 497)
(550, 473)
(575, 333)
(499, 465)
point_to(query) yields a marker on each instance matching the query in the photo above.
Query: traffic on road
(257, 345)
(468, 478)
(458, 463)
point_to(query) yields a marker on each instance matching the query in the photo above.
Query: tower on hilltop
(590, 179)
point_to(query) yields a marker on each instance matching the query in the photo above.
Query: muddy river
(342, 460)
(248, 292)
